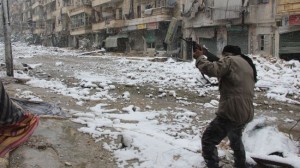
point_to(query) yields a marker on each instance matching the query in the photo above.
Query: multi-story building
(81, 16)
(26, 17)
(129, 25)
(49, 9)
(216, 23)
(62, 36)
(288, 22)
(38, 22)
(265, 27)
(108, 20)
(16, 22)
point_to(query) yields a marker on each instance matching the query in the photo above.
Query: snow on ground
(164, 138)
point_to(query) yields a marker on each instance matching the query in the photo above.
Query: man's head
(231, 50)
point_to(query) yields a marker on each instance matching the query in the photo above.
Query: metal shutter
(238, 36)
(210, 43)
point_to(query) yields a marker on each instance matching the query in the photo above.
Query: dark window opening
(139, 11)
(150, 45)
(262, 42)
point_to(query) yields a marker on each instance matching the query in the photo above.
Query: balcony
(36, 4)
(102, 2)
(262, 13)
(37, 18)
(48, 31)
(81, 9)
(38, 31)
(50, 15)
(66, 9)
(284, 7)
(156, 15)
(81, 30)
(82, 3)
(58, 28)
(160, 11)
(49, 2)
(108, 24)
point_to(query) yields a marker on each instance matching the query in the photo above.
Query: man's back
(237, 91)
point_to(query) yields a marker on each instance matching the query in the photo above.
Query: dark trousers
(217, 130)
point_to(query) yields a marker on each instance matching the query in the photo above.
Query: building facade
(288, 22)
(264, 27)
(216, 23)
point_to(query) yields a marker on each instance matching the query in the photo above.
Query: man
(16, 124)
(237, 76)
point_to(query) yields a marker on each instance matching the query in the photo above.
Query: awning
(112, 41)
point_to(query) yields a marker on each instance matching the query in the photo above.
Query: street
(111, 99)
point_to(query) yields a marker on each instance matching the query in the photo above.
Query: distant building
(264, 27)
(216, 23)
(288, 22)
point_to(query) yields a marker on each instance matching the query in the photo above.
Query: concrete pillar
(276, 43)
(221, 38)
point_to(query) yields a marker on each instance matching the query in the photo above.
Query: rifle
(210, 56)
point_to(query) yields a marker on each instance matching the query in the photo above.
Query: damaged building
(216, 23)
(128, 25)
(117, 25)
(263, 27)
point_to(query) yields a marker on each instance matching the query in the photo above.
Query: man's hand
(198, 52)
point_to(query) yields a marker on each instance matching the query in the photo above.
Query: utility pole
(7, 38)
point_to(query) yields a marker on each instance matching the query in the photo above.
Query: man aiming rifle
(236, 74)
(210, 57)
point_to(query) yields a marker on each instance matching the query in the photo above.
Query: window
(139, 12)
(263, 1)
(261, 42)
(120, 13)
(150, 45)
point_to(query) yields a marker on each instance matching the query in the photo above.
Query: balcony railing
(285, 7)
(38, 31)
(159, 11)
(108, 24)
(81, 30)
(47, 2)
(260, 14)
(50, 15)
(37, 17)
(102, 2)
(83, 2)
(66, 9)
(81, 9)
(36, 4)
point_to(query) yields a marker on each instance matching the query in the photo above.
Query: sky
(166, 137)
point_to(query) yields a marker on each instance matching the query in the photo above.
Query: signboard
(152, 26)
(129, 28)
(141, 26)
(294, 19)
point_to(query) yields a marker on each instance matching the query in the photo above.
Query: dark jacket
(236, 85)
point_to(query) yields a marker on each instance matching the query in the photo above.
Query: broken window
(262, 39)
(139, 11)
